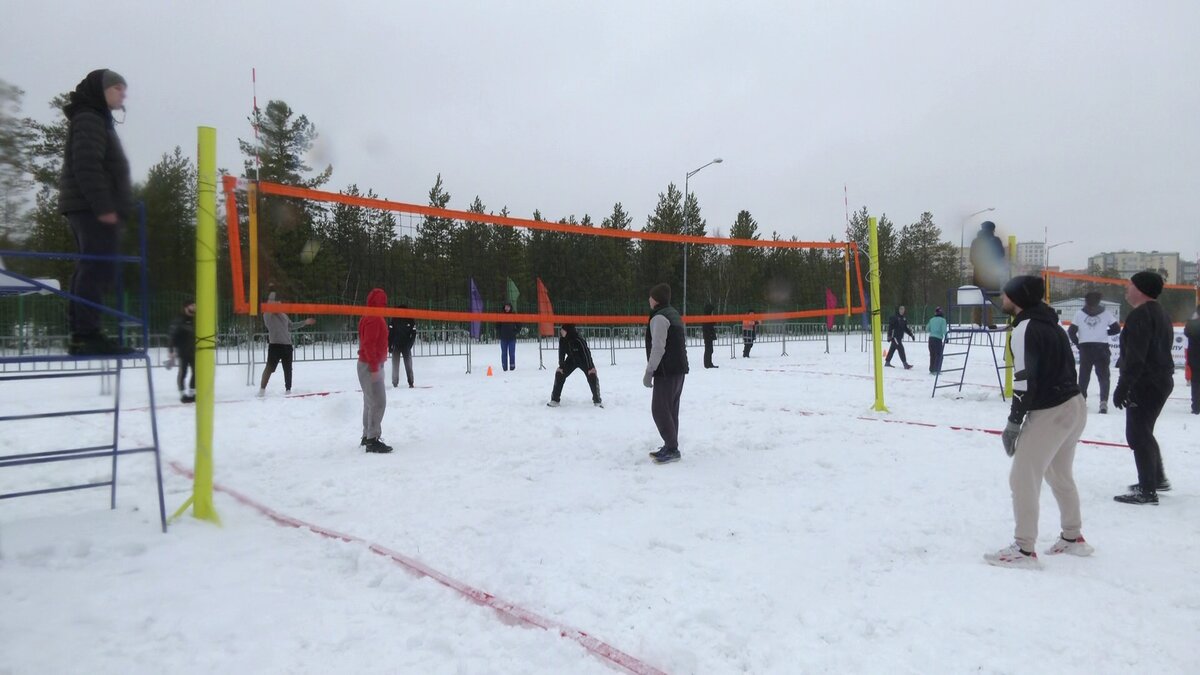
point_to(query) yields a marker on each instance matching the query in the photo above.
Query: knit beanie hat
(111, 78)
(1025, 291)
(569, 328)
(1149, 283)
(661, 294)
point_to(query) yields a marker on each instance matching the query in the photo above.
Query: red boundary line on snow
(931, 425)
(592, 644)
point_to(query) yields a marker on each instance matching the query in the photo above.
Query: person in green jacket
(937, 340)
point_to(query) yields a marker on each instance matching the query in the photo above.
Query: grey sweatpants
(374, 399)
(664, 406)
(1046, 450)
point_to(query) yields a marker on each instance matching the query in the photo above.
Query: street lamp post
(962, 232)
(687, 226)
(1047, 263)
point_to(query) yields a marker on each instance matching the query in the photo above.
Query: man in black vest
(666, 366)
(1147, 377)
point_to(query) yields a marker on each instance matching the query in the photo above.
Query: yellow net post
(876, 328)
(1008, 355)
(201, 500)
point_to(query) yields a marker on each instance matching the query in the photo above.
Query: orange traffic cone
(489, 373)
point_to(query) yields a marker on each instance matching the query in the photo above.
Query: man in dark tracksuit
(402, 334)
(897, 327)
(182, 344)
(666, 368)
(1147, 378)
(96, 196)
(573, 353)
(710, 336)
(1045, 422)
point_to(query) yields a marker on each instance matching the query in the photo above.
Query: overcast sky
(1079, 117)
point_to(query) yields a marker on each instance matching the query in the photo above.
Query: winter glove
(648, 379)
(1012, 431)
(1121, 395)
(170, 362)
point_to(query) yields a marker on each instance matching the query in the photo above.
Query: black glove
(1012, 431)
(1121, 395)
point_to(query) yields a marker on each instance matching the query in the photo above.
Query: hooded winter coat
(573, 350)
(95, 171)
(1044, 374)
(373, 333)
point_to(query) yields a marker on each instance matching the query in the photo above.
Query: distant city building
(1031, 255)
(1188, 273)
(1128, 263)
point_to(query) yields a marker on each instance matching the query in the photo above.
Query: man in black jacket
(507, 333)
(1045, 422)
(710, 336)
(1147, 378)
(573, 353)
(95, 194)
(182, 346)
(402, 334)
(666, 368)
(1192, 331)
(897, 328)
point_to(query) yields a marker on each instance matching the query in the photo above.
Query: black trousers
(664, 406)
(560, 378)
(746, 345)
(92, 278)
(897, 346)
(1146, 403)
(186, 362)
(277, 353)
(1195, 364)
(708, 352)
(936, 347)
(1094, 356)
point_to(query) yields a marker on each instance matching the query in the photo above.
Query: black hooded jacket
(95, 172)
(506, 330)
(573, 351)
(402, 333)
(1146, 347)
(1044, 374)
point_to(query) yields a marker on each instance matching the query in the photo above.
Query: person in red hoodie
(372, 354)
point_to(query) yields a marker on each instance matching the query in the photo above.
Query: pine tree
(16, 181)
(169, 195)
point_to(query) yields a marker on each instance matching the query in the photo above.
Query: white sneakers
(1078, 547)
(1013, 556)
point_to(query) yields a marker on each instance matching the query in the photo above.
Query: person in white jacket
(1089, 332)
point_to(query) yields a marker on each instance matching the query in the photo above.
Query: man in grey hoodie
(279, 345)
(666, 367)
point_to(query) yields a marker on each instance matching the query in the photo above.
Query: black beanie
(1093, 298)
(111, 78)
(661, 294)
(1149, 283)
(1025, 291)
(569, 327)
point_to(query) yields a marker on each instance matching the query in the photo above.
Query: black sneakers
(1138, 497)
(95, 344)
(377, 445)
(666, 455)
(1164, 485)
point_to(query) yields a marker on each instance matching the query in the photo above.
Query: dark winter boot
(1138, 496)
(666, 456)
(378, 446)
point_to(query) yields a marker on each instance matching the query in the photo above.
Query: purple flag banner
(476, 308)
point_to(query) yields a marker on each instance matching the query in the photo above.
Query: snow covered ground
(798, 534)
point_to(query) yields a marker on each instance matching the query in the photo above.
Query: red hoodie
(373, 333)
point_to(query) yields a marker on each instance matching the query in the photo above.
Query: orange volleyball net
(795, 280)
